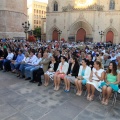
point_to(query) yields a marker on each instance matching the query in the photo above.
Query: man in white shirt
(34, 66)
(32, 59)
(103, 50)
(113, 57)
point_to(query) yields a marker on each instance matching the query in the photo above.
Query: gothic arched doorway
(55, 35)
(81, 35)
(109, 36)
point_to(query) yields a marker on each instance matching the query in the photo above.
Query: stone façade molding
(70, 8)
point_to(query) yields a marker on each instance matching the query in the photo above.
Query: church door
(109, 36)
(55, 35)
(81, 34)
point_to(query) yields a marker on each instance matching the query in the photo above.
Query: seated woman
(97, 75)
(61, 72)
(53, 65)
(83, 76)
(110, 84)
(72, 73)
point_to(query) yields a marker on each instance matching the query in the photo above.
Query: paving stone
(10, 96)
(18, 116)
(6, 110)
(68, 110)
(80, 101)
(26, 89)
(4, 91)
(2, 102)
(20, 103)
(88, 115)
(17, 85)
(114, 114)
(98, 108)
(55, 116)
(35, 112)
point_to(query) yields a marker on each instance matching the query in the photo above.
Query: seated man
(42, 69)
(105, 61)
(6, 62)
(16, 63)
(34, 66)
(24, 61)
(113, 57)
(32, 60)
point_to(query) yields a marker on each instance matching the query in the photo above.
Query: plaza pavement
(21, 100)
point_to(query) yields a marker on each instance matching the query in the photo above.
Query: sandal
(88, 96)
(103, 101)
(80, 93)
(46, 84)
(77, 93)
(55, 88)
(106, 102)
(91, 98)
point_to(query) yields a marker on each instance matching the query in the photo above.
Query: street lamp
(59, 33)
(101, 33)
(26, 26)
(30, 32)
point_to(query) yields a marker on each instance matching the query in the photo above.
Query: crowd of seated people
(95, 68)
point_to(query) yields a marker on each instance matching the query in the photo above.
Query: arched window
(55, 6)
(112, 5)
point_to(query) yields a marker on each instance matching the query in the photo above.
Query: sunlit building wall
(36, 11)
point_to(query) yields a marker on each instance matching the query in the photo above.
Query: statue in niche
(112, 5)
(54, 21)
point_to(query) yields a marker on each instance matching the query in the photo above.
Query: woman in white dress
(53, 65)
(97, 75)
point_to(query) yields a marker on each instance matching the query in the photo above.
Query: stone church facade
(83, 20)
(12, 14)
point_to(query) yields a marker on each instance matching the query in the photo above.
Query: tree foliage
(37, 32)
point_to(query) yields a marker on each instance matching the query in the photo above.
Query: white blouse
(63, 68)
(99, 73)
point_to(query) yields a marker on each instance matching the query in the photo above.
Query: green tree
(37, 32)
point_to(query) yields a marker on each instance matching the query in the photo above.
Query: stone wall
(12, 14)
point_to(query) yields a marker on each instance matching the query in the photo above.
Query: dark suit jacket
(75, 69)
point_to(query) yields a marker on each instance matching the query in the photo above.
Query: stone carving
(111, 21)
(67, 8)
(91, 7)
